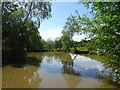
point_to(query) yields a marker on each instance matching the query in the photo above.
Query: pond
(57, 70)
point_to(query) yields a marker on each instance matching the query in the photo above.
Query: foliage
(53, 45)
(66, 41)
(20, 22)
(102, 29)
(57, 44)
(50, 44)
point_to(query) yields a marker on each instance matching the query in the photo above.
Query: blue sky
(52, 27)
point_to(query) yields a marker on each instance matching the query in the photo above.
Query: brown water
(56, 70)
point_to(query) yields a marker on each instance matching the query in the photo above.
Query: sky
(52, 27)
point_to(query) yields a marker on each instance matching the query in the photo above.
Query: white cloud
(56, 32)
(79, 37)
(50, 33)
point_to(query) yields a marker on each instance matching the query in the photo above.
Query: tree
(105, 25)
(57, 44)
(50, 44)
(66, 41)
(102, 29)
(20, 28)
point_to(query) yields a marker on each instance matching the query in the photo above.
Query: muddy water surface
(56, 70)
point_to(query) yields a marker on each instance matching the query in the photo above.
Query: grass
(79, 49)
(103, 59)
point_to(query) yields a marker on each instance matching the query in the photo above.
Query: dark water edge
(42, 59)
(74, 51)
(20, 61)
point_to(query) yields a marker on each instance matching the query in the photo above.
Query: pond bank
(59, 50)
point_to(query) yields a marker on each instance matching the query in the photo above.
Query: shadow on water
(75, 69)
(22, 62)
(19, 63)
(27, 77)
(23, 72)
(34, 61)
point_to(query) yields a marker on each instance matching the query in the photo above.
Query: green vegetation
(102, 30)
(19, 31)
(21, 20)
(79, 49)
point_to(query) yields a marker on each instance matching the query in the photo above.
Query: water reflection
(34, 61)
(27, 77)
(71, 80)
(55, 69)
(68, 67)
(25, 74)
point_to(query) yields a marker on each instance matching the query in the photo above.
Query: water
(57, 70)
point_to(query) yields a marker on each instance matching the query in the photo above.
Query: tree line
(21, 20)
(20, 23)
